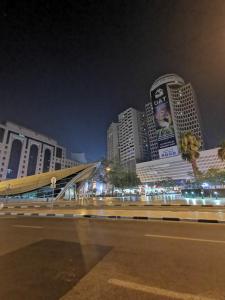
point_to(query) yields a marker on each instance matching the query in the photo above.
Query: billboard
(166, 138)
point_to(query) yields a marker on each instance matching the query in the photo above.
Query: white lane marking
(183, 238)
(155, 290)
(27, 226)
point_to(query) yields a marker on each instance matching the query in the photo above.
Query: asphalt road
(44, 258)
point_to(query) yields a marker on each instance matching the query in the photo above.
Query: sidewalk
(165, 215)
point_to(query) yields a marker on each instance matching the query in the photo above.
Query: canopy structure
(41, 183)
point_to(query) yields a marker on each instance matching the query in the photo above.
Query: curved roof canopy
(33, 182)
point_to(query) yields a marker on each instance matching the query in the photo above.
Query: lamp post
(53, 186)
(202, 194)
(8, 188)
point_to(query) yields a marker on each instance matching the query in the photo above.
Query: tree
(214, 176)
(167, 182)
(221, 151)
(189, 147)
(121, 178)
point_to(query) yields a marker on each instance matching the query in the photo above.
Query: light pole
(8, 188)
(53, 186)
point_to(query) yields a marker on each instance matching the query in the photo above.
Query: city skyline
(68, 70)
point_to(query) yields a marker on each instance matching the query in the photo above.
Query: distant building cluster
(24, 152)
(155, 133)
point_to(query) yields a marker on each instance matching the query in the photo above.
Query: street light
(202, 193)
(8, 188)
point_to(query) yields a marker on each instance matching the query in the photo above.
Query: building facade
(151, 129)
(24, 152)
(133, 138)
(113, 143)
(176, 168)
(172, 111)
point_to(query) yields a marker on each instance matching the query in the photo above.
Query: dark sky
(68, 69)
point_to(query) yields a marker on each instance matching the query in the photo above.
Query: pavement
(82, 259)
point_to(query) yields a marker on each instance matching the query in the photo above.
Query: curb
(55, 215)
(116, 205)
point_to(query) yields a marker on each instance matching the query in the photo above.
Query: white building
(172, 111)
(25, 152)
(176, 168)
(113, 142)
(133, 139)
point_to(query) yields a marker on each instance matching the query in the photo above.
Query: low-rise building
(24, 152)
(176, 168)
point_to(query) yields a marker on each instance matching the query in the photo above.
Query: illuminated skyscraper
(113, 142)
(133, 138)
(172, 110)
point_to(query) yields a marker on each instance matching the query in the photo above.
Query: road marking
(183, 238)
(27, 226)
(155, 290)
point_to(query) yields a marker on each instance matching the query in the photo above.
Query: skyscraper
(152, 136)
(113, 142)
(172, 111)
(133, 139)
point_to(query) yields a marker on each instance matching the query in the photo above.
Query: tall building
(113, 142)
(133, 138)
(24, 152)
(172, 111)
(152, 136)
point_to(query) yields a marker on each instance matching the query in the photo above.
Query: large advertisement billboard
(166, 138)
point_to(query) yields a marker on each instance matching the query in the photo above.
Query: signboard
(166, 138)
(53, 180)
(53, 183)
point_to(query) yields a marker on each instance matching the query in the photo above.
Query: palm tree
(221, 151)
(189, 147)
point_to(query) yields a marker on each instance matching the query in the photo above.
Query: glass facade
(32, 162)
(14, 159)
(2, 132)
(59, 152)
(47, 160)
(58, 166)
(46, 192)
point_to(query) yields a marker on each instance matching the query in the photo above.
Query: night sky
(68, 69)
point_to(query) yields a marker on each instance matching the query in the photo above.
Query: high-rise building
(133, 138)
(24, 152)
(172, 111)
(152, 136)
(113, 142)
